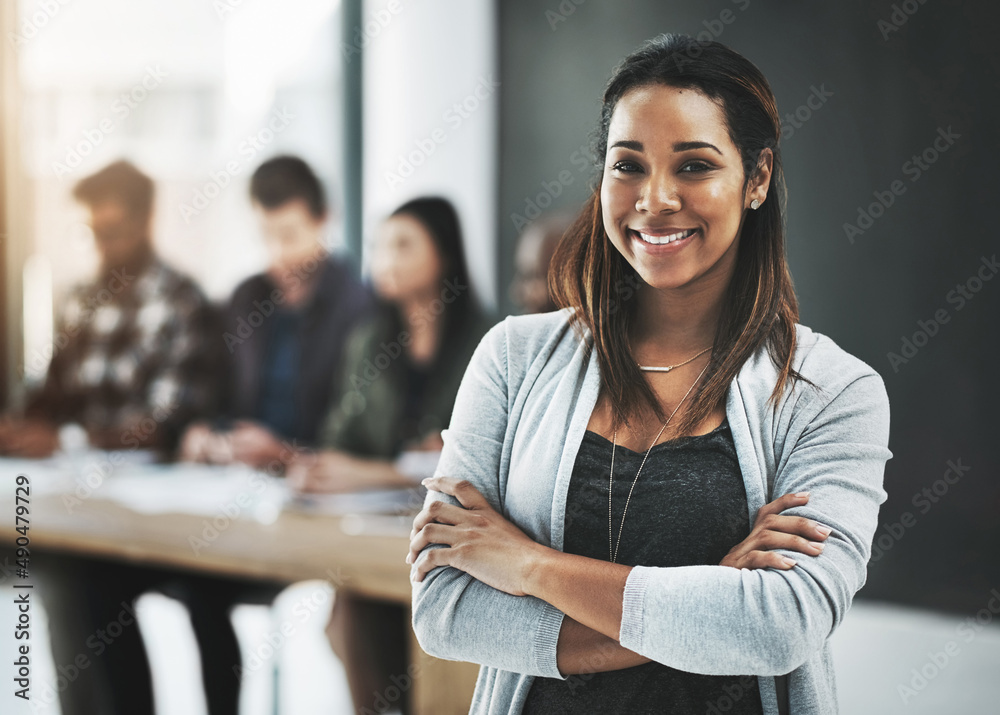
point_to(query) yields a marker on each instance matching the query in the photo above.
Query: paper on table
(233, 491)
(81, 473)
(41, 473)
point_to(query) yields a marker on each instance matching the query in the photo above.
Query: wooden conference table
(231, 522)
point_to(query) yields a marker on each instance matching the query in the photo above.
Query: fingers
(306, 458)
(769, 517)
(308, 478)
(296, 476)
(463, 490)
(781, 503)
(437, 511)
(806, 528)
(773, 540)
(430, 534)
(433, 524)
(219, 448)
(774, 531)
(765, 560)
(428, 561)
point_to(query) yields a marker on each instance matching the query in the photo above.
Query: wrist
(537, 562)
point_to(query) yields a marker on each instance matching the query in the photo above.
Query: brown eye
(696, 167)
(627, 167)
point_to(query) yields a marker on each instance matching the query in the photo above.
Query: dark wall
(892, 97)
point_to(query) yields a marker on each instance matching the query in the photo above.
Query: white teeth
(660, 240)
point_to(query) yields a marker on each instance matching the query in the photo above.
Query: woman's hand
(194, 445)
(254, 444)
(328, 471)
(332, 471)
(772, 531)
(480, 540)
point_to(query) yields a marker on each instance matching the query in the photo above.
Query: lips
(665, 237)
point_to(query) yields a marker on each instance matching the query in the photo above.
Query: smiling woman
(735, 548)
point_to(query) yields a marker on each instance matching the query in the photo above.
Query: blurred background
(492, 105)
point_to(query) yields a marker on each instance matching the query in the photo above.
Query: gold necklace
(613, 555)
(668, 368)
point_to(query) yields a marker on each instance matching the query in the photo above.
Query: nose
(658, 194)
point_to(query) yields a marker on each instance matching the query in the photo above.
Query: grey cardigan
(518, 422)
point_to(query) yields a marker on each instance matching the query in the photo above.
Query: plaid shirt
(133, 352)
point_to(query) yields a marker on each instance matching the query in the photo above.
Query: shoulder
(821, 360)
(341, 289)
(256, 285)
(832, 371)
(340, 266)
(336, 274)
(517, 342)
(162, 278)
(522, 337)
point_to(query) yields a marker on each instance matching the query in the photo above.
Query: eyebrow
(678, 147)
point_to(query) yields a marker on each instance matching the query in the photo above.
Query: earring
(755, 204)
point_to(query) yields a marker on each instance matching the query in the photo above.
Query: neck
(298, 286)
(422, 312)
(133, 265)
(672, 325)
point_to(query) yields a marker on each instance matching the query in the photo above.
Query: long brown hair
(760, 309)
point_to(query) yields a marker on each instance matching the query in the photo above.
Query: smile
(666, 238)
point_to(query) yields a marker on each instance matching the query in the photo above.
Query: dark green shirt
(387, 400)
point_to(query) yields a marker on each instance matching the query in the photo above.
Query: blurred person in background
(529, 289)
(284, 329)
(133, 354)
(284, 333)
(398, 386)
(136, 358)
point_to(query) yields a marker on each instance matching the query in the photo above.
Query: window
(196, 93)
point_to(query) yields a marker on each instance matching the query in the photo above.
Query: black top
(387, 400)
(412, 414)
(689, 507)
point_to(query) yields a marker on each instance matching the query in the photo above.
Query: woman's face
(406, 264)
(672, 171)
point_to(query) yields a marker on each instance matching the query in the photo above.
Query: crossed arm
(482, 543)
(483, 591)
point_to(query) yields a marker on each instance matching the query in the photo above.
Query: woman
(677, 261)
(402, 368)
(402, 371)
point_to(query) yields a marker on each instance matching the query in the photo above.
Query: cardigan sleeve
(719, 620)
(455, 616)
